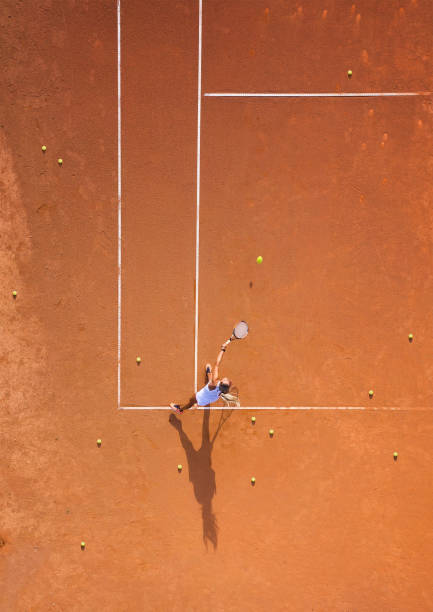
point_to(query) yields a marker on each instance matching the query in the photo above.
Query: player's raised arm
(215, 374)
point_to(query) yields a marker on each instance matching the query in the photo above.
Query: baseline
(362, 408)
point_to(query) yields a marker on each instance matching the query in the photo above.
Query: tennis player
(214, 388)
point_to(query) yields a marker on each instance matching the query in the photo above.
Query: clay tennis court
(196, 135)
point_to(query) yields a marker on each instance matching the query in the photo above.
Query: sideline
(197, 221)
(119, 203)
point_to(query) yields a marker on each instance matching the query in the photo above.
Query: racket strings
(241, 330)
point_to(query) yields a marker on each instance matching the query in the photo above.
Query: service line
(391, 94)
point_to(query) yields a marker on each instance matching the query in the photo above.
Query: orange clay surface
(335, 194)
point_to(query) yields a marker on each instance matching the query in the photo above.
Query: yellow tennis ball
(138, 360)
(179, 467)
(410, 337)
(14, 293)
(253, 480)
(99, 441)
(60, 161)
(349, 73)
(259, 259)
(44, 148)
(370, 393)
(83, 545)
(253, 419)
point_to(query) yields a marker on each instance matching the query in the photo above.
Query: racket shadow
(201, 473)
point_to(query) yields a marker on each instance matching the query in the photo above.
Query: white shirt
(207, 396)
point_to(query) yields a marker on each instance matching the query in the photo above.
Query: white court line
(361, 408)
(318, 95)
(197, 222)
(248, 408)
(119, 206)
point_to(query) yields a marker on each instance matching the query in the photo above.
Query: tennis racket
(240, 331)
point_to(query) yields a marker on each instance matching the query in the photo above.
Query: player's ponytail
(231, 400)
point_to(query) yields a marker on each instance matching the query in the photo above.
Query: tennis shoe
(176, 408)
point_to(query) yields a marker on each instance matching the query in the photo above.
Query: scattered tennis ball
(44, 148)
(179, 467)
(349, 73)
(14, 294)
(99, 441)
(370, 393)
(253, 420)
(271, 432)
(259, 259)
(138, 360)
(83, 545)
(395, 456)
(60, 161)
(410, 337)
(253, 480)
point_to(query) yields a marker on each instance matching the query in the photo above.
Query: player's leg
(178, 409)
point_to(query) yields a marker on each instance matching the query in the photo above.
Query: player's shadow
(201, 474)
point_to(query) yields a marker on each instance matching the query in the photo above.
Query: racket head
(241, 330)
